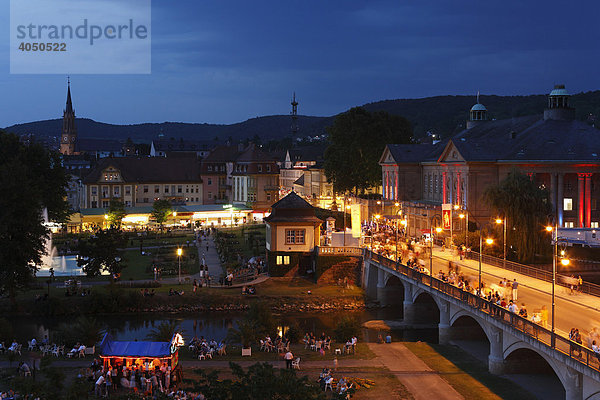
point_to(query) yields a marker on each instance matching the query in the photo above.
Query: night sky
(227, 61)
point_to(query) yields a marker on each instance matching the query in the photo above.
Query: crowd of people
(327, 381)
(204, 347)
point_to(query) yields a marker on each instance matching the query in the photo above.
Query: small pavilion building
(145, 354)
(292, 233)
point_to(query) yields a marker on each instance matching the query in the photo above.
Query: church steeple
(69, 131)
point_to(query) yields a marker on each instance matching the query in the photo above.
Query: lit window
(594, 225)
(568, 204)
(294, 236)
(569, 224)
(283, 260)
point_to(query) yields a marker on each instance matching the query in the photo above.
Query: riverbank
(281, 295)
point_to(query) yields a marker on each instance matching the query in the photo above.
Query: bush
(6, 331)
(346, 328)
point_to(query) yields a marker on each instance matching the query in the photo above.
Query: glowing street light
(179, 253)
(503, 222)
(488, 241)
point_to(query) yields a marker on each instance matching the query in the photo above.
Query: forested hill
(443, 115)
(447, 114)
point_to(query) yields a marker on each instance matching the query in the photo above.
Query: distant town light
(549, 228)
(565, 261)
(489, 241)
(498, 221)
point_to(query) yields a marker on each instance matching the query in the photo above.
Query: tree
(116, 213)
(526, 207)
(32, 178)
(100, 253)
(161, 210)
(357, 139)
(261, 381)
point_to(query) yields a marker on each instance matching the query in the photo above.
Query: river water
(216, 325)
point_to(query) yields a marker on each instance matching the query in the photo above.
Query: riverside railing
(527, 270)
(564, 345)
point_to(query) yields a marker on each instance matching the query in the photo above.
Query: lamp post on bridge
(438, 229)
(488, 241)
(503, 222)
(564, 261)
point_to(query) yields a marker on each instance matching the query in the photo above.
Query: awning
(112, 348)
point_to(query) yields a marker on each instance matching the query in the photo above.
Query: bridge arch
(536, 361)
(392, 291)
(426, 308)
(462, 317)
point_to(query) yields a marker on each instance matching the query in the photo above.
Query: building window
(94, 190)
(128, 190)
(283, 260)
(260, 168)
(568, 204)
(294, 236)
(209, 168)
(145, 199)
(117, 191)
(166, 189)
(569, 224)
(179, 189)
(210, 195)
(268, 168)
(209, 181)
(145, 189)
(268, 196)
(94, 204)
(105, 191)
(105, 203)
(156, 189)
(594, 225)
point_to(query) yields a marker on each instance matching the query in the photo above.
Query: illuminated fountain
(63, 265)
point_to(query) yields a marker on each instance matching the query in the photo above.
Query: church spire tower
(294, 114)
(69, 131)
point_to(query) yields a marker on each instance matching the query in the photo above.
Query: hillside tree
(32, 178)
(357, 139)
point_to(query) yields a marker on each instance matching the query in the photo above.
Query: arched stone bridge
(515, 344)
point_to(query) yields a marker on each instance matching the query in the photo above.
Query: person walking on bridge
(515, 286)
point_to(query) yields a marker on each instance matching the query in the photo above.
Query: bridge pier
(408, 305)
(496, 357)
(444, 325)
(573, 384)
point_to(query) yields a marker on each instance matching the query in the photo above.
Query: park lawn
(161, 239)
(234, 353)
(299, 287)
(466, 374)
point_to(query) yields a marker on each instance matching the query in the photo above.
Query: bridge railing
(527, 270)
(564, 345)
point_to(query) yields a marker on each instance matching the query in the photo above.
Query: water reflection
(216, 325)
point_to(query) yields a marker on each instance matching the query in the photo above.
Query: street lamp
(179, 252)
(174, 215)
(487, 241)
(503, 222)
(563, 260)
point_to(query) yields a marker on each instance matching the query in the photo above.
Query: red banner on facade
(446, 220)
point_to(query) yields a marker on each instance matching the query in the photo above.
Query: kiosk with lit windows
(149, 354)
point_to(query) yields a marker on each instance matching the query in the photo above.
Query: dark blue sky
(223, 61)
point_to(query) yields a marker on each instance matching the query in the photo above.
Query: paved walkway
(207, 252)
(419, 379)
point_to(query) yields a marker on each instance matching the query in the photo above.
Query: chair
(338, 351)
(56, 351)
(222, 351)
(263, 345)
(313, 347)
(328, 384)
(209, 354)
(296, 363)
(30, 345)
(201, 357)
(18, 349)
